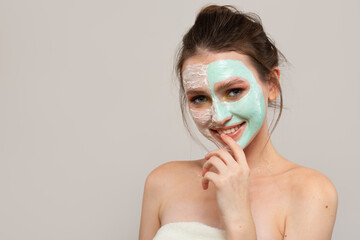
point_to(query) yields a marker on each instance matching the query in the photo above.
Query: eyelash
(201, 99)
(239, 91)
(195, 99)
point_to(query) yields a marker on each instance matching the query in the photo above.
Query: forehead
(207, 67)
(195, 76)
(201, 75)
(216, 71)
(206, 58)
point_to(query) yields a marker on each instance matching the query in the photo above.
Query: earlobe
(274, 84)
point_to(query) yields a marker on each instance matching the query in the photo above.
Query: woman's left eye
(234, 92)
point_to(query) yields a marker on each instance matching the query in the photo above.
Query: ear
(274, 84)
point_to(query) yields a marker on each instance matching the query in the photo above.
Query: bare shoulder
(313, 205)
(170, 173)
(161, 183)
(174, 167)
(310, 183)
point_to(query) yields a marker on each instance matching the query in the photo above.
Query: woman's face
(225, 95)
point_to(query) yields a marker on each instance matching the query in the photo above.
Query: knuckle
(213, 157)
(213, 152)
(222, 151)
(211, 161)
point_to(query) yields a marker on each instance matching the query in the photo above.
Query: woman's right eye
(198, 99)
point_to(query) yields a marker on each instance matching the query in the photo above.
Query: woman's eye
(234, 92)
(198, 99)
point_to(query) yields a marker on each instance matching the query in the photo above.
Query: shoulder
(313, 205)
(307, 183)
(167, 174)
(158, 186)
(171, 168)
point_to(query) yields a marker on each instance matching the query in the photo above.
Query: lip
(233, 135)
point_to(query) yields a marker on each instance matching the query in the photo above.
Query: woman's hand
(232, 186)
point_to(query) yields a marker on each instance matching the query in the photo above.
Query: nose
(221, 114)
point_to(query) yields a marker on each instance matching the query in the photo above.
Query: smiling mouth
(228, 130)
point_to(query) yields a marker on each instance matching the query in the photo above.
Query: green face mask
(250, 108)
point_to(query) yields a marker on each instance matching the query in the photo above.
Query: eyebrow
(195, 92)
(228, 83)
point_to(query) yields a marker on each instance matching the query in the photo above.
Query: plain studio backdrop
(89, 106)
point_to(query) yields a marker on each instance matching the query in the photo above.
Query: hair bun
(218, 9)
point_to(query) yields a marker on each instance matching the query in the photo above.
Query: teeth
(228, 131)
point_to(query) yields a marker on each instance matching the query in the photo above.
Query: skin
(251, 193)
(224, 90)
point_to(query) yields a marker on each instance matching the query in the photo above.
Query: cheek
(201, 118)
(251, 107)
(264, 91)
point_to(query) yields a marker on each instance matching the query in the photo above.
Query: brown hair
(222, 29)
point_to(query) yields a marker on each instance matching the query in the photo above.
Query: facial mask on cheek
(250, 108)
(195, 77)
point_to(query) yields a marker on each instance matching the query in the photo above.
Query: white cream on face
(249, 108)
(195, 77)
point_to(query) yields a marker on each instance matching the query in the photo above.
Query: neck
(260, 153)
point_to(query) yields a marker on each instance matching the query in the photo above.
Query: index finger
(238, 152)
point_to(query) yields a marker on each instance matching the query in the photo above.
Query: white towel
(189, 231)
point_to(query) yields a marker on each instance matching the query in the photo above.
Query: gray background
(88, 107)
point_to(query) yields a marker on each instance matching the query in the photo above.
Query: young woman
(229, 76)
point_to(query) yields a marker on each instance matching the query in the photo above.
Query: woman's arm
(312, 210)
(232, 189)
(150, 221)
